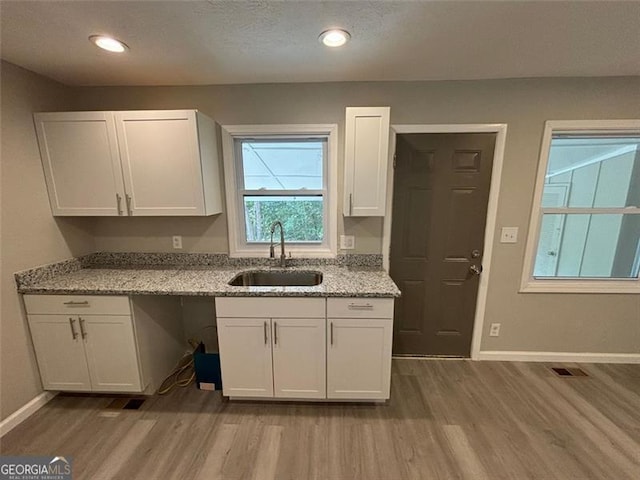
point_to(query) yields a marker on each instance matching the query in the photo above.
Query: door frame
(500, 129)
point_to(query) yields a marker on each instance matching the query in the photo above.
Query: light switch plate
(347, 242)
(509, 235)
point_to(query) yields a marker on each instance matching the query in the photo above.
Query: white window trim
(237, 246)
(529, 284)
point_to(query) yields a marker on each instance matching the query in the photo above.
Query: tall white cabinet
(366, 156)
(130, 163)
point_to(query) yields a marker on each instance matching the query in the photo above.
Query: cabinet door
(81, 164)
(111, 353)
(161, 162)
(299, 357)
(60, 352)
(359, 358)
(366, 159)
(245, 357)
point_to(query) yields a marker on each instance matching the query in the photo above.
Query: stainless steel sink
(277, 278)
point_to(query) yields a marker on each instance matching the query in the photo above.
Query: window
(281, 173)
(585, 225)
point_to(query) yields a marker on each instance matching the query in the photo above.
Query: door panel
(441, 190)
(359, 358)
(245, 357)
(111, 353)
(81, 162)
(366, 155)
(161, 162)
(60, 357)
(299, 357)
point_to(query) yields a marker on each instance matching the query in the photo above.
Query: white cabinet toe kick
(335, 349)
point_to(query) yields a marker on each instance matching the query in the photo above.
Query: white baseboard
(20, 415)
(558, 357)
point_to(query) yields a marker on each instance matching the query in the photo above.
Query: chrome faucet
(283, 258)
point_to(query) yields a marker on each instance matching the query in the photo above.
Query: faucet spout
(283, 258)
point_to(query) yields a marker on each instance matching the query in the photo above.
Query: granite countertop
(338, 281)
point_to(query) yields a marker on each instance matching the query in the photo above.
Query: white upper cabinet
(135, 163)
(165, 166)
(81, 163)
(366, 159)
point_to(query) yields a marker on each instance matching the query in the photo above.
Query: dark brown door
(440, 195)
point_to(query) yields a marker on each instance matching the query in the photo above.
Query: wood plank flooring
(447, 419)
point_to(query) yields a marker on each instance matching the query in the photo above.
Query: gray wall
(530, 322)
(30, 235)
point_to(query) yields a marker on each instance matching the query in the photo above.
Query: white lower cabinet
(110, 349)
(299, 357)
(359, 358)
(289, 349)
(360, 334)
(104, 343)
(245, 346)
(272, 347)
(60, 352)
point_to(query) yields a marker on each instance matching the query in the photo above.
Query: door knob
(475, 269)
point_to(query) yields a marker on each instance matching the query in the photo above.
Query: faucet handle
(272, 253)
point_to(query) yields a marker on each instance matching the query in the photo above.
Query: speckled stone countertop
(338, 281)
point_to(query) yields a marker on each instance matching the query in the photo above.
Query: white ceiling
(227, 42)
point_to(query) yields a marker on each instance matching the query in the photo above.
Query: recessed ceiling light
(108, 43)
(334, 38)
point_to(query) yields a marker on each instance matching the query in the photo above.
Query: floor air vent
(569, 372)
(125, 404)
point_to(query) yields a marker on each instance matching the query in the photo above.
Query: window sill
(584, 286)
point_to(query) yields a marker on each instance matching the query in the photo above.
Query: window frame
(238, 247)
(530, 284)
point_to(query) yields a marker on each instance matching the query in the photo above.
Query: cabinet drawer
(77, 304)
(270, 307)
(360, 307)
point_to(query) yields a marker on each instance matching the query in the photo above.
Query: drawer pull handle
(82, 330)
(74, 334)
(72, 303)
(331, 333)
(265, 333)
(356, 306)
(275, 332)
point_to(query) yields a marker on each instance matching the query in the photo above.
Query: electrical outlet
(509, 235)
(347, 242)
(494, 331)
(177, 241)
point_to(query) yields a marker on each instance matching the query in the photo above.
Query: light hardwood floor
(446, 419)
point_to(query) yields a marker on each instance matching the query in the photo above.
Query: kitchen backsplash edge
(142, 259)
